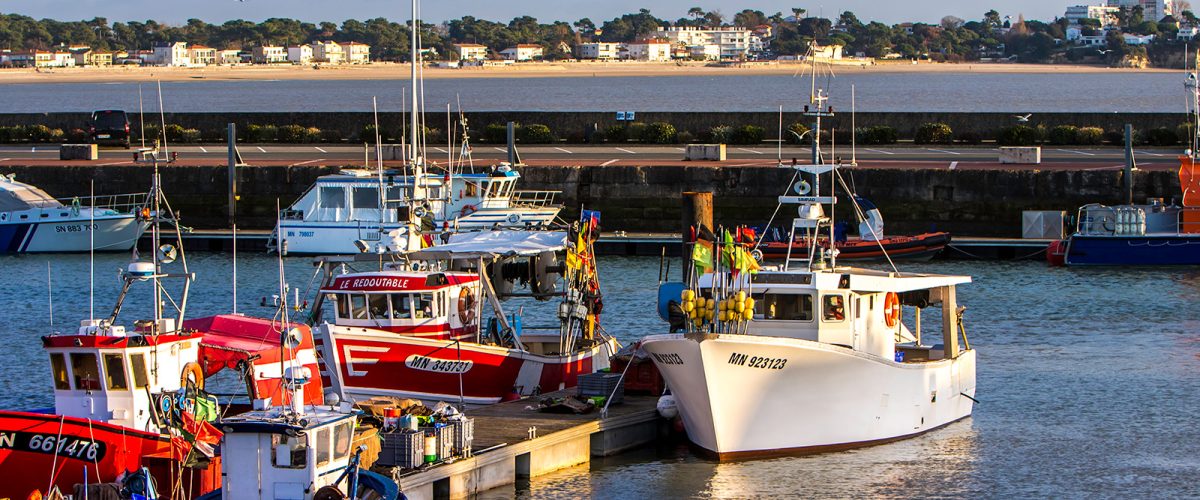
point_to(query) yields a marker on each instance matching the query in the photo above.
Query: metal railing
(121, 203)
(534, 199)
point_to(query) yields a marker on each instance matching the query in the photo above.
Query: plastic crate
(445, 439)
(602, 384)
(402, 449)
(641, 378)
(463, 435)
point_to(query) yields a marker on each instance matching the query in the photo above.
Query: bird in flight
(1023, 119)
(1102, 51)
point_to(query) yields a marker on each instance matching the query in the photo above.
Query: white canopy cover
(20, 196)
(495, 244)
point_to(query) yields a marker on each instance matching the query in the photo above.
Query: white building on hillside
(1187, 33)
(523, 52)
(300, 54)
(171, 54)
(1152, 10)
(1107, 15)
(733, 42)
(649, 50)
(1138, 39)
(603, 51)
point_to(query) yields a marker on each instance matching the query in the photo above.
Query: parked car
(110, 126)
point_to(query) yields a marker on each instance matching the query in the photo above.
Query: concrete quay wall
(571, 125)
(647, 198)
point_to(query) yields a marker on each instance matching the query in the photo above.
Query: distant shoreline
(392, 71)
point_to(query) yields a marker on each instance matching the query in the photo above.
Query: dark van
(110, 126)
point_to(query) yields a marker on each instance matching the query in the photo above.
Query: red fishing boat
(413, 326)
(125, 400)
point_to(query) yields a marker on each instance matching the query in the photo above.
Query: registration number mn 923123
(760, 362)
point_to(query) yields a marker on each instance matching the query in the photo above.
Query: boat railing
(534, 199)
(121, 203)
(1188, 220)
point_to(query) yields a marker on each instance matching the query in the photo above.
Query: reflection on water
(1087, 380)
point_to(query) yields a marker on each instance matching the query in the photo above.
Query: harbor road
(893, 156)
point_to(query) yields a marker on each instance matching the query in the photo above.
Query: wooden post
(697, 211)
(949, 323)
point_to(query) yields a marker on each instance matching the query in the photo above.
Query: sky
(218, 11)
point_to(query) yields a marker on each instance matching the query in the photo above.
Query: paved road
(604, 155)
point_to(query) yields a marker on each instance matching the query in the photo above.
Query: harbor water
(939, 91)
(1087, 381)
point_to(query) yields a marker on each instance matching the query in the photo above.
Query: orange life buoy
(891, 309)
(197, 375)
(466, 306)
(468, 210)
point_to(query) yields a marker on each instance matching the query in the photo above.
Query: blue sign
(625, 116)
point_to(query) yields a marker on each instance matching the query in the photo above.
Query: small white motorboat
(33, 221)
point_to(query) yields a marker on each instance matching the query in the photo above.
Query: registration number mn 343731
(761, 362)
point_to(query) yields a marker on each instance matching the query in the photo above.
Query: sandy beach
(392, 71)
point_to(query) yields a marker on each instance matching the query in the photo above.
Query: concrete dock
(517, 442)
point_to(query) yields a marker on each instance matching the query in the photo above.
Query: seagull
(1097, 50)
(1023, 119)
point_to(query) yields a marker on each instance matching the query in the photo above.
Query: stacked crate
(445, 439)
(602, 384)
(463, 435)
(402, 449)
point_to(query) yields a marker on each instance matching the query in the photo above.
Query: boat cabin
(854, 308)
(107, 374)
(353, 195)
(267, 455)
(434, 305)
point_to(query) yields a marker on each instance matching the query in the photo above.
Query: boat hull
(1132, 250)
(744, 396)
(361, 363)
(112, 234)
(921, 247)
(28, 445)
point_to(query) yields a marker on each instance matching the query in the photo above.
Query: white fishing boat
(342, 211)
(33, 221)
(810, 356)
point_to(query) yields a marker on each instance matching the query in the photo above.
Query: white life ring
(802, 188)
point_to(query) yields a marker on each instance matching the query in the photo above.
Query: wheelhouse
(443, 305)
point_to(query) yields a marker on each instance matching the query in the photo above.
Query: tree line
(953, 39)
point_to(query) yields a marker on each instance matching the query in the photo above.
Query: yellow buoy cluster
(699, 309)
(737, 307)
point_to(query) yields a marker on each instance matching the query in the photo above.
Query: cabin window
(87, 373)
(378, 303)
(834, 308)
(114, 372)
(58, 365)
(138, 363)
(358, 306)
(331, 197)
(401, 306)
(472, 189)
(424, 305)
(323, 447)
(341, 441)
(435, 192)
(289, 452)
(784, 307)
(398, 193)
(343, 305)
(367, 198)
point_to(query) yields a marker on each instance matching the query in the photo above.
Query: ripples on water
(1087, 380)
(936, 91)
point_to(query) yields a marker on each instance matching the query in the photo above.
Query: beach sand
(391, 71)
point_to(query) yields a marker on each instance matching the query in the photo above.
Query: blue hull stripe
(12, 237)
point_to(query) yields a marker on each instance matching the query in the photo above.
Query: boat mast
(415, 56)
